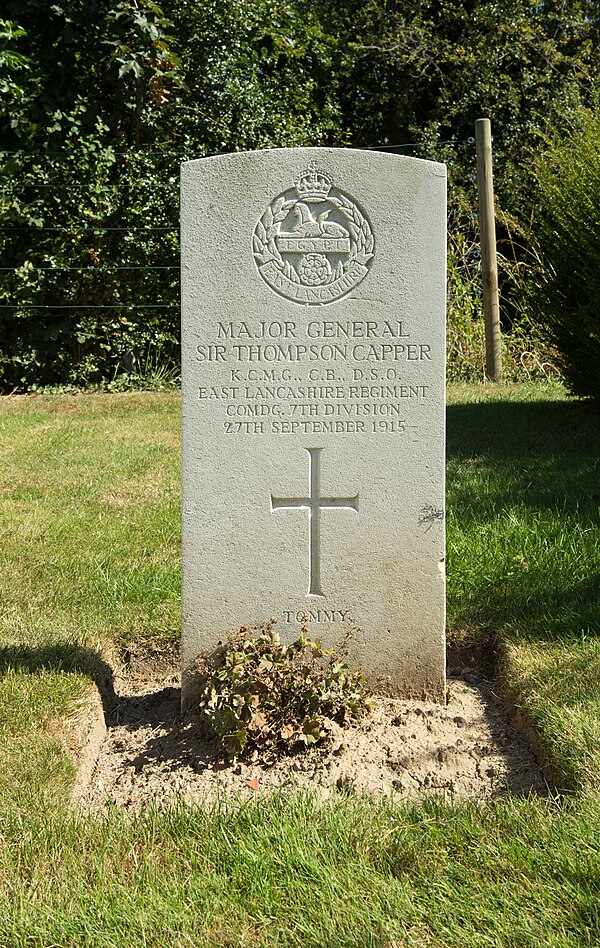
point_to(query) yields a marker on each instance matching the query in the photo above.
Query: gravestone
(313, 341)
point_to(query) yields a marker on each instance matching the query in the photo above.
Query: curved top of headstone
(312, 237)
(311, 153)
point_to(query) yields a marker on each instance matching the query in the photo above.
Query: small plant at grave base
(263, 697)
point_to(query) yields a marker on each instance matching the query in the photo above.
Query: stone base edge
(88, 752)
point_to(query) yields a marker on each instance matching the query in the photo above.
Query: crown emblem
(313, 185)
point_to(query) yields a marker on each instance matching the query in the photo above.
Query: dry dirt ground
(148, 752)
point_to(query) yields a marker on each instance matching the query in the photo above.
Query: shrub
(566, 295)
(261, 695)
(526, 355)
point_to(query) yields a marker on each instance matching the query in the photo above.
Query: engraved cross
(314, 503)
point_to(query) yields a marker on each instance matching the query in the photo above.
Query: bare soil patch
(467, 749)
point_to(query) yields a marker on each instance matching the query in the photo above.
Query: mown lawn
(89, 556)
(524, 556)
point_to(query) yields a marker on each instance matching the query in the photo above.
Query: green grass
(89, 562)
(90, 511)
(293, 873)
(524, 556)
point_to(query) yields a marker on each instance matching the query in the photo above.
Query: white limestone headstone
(313, 341)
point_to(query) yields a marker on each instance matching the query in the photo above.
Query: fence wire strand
(182, 156)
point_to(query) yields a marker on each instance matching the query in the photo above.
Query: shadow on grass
(482, 422)
(157, 707)
(70, 659)
(543, 454)
(524, 514)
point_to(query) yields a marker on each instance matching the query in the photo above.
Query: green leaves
(9, 58)
(567, 233)
(101, 101)
(129, 64)
(264, 697)
(311, 730)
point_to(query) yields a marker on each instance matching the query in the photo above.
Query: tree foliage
(424, 70)
(102, 100)
(78, 181)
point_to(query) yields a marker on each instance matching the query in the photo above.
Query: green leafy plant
(566, 228)
(261, 695)
(526, 354)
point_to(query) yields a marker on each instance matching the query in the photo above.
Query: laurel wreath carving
(358, 227)
(267, 228)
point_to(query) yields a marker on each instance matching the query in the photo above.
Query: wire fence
(75, 230)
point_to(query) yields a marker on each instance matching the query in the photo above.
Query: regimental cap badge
(313, 254)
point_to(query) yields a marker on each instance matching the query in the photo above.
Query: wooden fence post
(489, 262)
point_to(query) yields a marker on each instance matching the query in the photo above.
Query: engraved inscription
(317, 376)
(314, 503)
(313, 244)
(315, 615)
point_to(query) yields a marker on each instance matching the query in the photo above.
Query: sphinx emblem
(310, 226)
